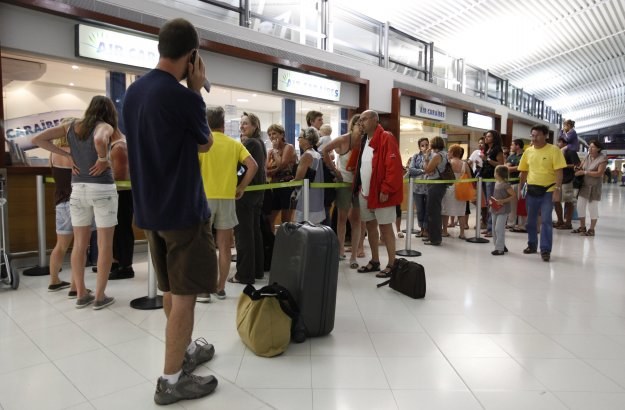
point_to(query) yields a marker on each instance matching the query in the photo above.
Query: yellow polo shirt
(541, 165)
(219, 166)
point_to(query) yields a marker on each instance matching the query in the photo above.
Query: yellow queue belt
(275, 185)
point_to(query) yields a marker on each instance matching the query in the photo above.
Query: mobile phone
(193, 56)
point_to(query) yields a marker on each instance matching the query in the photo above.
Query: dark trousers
(248, 237)
(434, 207)
(124, 237)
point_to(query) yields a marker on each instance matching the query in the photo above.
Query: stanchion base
(37, 271)
(477, 240)
(407, 252)
(147, 303)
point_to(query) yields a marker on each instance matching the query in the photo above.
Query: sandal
(386, 273)
(590, 232)
(400, 235)
(371, 266)
(353, 265)
(361, 254)
(581, 229)
(462, 237)
(233, 280)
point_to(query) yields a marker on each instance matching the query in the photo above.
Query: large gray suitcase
(306, 261)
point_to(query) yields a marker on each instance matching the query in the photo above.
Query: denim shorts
(89, 200)
(63, 219)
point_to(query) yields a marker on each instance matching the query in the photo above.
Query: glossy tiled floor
(507, 332)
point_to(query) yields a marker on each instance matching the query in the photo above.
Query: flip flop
(234, 280)
(361, 255)
(353, 265)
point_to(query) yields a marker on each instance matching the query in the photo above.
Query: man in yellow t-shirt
(219, 175)
(541, 167)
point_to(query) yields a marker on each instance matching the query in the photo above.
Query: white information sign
(294, 82)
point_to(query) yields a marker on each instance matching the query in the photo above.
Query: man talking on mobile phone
(166, 128)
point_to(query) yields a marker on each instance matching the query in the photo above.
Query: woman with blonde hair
(93, 192)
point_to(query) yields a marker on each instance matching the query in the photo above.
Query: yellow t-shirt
(541, 165)
(219, 166)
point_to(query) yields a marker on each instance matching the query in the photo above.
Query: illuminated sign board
(471, 119)
(294, 82)
(113, 46)
(424, 109)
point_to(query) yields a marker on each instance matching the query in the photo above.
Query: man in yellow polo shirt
(219, 175)
(541, 167)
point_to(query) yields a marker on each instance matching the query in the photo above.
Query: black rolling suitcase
(306, 262)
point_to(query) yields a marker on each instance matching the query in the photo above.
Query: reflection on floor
(510, 332)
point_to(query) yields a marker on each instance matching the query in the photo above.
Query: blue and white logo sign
(108, 45)
(294, 82)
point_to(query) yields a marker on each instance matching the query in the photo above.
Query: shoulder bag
(465, 191)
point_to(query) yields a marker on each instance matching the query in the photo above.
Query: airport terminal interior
(509, 332)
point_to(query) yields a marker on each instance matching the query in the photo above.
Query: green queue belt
(277, 185)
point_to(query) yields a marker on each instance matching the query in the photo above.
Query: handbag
(265, 319)
(407, 277)
(465, 191)
(448, 172)
(578, 181)
(538, 190)
(521, 210)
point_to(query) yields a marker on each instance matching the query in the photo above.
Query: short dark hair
(597, 144)
(563, 140)
(176, 38)
(437, 143)
(216, 117)
(518, 142)
(542, 128)
(311, 116)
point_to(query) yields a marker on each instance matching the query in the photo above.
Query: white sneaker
(204, 298)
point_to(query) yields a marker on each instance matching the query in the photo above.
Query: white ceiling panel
(569, 53)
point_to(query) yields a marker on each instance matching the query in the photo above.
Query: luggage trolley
(7, 275)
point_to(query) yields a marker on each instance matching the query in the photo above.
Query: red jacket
(387, 173)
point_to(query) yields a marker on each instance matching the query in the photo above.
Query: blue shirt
(165, 121)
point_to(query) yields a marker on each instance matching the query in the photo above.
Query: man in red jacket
(378, 184)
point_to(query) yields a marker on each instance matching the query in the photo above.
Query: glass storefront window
(413, 129)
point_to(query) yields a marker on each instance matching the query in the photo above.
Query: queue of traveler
(188, 177)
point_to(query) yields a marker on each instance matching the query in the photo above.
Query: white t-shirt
(476, 159)
(323, 141)
(366, 168)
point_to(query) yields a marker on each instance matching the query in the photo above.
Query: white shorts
(223, 213)
(89, 200)
(384, 216)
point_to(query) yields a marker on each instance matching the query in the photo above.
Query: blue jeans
(543, 206)
(420, 201)
(489, 190)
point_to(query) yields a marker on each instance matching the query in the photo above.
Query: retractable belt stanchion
(42, 268)
(478, 215)
(409, 222)
(152, 300)
(306, 198)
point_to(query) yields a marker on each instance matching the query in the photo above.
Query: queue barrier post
(152, 300)
(478, 215)
(306, 198)
(409, 222)
(41, 269)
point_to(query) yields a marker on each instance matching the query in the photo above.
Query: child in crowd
(503, 195)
